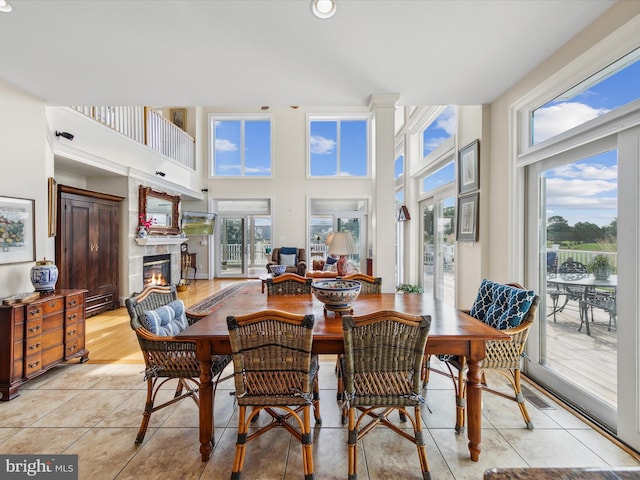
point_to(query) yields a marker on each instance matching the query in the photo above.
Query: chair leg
(352, 445)
(316, 402)
(419, 440)
(520, 399)
(307, 444)
(461, 398)
(241, 444)
(146, 415)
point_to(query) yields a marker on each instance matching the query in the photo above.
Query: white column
(383, 214)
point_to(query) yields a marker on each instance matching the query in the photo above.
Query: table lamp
(342, 245)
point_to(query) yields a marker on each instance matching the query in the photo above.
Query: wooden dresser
(37, 335)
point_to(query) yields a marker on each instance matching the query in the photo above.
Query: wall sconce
(204, 190)
(67, 135)
(403, 214)
(162, 174)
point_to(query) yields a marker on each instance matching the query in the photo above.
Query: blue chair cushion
(331, 260)
(501, 306)
(288, 251)
(167, 320)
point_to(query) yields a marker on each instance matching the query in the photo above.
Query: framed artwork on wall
(468, 217)
(17, 226)
(469, 168)
(178, 117)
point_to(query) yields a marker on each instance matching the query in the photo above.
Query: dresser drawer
(76, 300)
(54, 305)
(33, 345)
(72, 315)
(32, 364)
(34, 311)
(34, 326)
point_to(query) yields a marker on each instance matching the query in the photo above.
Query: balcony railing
(147, 126)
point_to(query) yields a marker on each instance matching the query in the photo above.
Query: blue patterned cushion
(331, 260)
(167, 320)
(288, 251)
(501, 306)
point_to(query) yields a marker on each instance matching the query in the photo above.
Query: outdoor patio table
(590, 283)
(451, 332)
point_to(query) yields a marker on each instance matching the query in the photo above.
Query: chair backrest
(271, 354)
(149, 299)
(383, 355)
(369, 284)
(552, 263)
(572, 270)
(288, 284)
(300, 255)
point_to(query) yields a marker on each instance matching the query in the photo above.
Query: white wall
(26, 162)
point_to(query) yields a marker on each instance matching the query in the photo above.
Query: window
(440, 177)
(609, 89)
(338, 147)
(399, 167)
(441, 129)
(241, 146)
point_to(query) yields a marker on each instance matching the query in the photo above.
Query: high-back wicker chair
(504, 357)
(274, 370)
(288, 284)
(369, 284)
(381, 370)
(165, 357)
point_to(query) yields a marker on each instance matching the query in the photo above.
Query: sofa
(293, 258)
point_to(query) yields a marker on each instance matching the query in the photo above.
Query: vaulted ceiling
(275, 52)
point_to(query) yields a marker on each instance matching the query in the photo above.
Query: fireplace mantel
(161, 240)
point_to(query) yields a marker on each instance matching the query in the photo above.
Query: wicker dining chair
(275, 371)
(165, 357)
(381, 370)
(369, 284)
(502, 356)
(288, 284)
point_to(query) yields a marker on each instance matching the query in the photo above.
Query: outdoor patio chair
(568, 270)
(274, 371)
(288, 284)
(515, 314)
(381, 370)
(604, 299)
(157, 315)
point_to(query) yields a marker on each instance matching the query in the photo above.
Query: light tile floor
(94, 411)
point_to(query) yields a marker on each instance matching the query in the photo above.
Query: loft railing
(147, 126)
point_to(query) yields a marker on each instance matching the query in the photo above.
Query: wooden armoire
(87, 246)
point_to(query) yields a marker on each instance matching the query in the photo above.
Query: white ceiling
(274, 52)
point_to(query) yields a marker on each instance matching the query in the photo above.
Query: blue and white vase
(44, 276)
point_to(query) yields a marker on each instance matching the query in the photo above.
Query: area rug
(209, 304)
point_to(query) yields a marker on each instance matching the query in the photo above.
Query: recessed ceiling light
(323, 8)
(5, 7)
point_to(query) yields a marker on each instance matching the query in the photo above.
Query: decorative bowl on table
(336, 294)
(277, 269)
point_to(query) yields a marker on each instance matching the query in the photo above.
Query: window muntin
(441, 129)
(338, 147)
(609, 89)
(241, 146)
(443, 176)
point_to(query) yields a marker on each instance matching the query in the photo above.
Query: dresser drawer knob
(34, 364)
(34, 346)
(33, 329)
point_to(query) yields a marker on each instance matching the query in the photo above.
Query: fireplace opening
(156, 270)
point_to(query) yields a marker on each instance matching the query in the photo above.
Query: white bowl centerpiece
(277, 269)
(336, 294)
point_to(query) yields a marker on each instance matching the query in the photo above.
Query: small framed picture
(468, 207)
(178, 117)
(468, 168)
(17, 226)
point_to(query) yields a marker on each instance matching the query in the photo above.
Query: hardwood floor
(110, 339)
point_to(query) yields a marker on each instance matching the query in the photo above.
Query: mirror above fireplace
(162, 207)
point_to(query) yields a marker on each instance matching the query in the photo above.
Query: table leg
(203, 352)
(474, 407)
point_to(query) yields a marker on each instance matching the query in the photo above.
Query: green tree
(558, 229)
(587, 232)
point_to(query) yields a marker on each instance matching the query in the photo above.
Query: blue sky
(586, 191)
(229, 152)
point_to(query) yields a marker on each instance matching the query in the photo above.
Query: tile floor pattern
(94, 411)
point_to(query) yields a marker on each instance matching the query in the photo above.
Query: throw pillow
(288, 260)
(501, 306)
(288, 251)
(167, 320)
(331, 260)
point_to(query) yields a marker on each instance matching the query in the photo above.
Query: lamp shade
(342, 244)
(329, 238)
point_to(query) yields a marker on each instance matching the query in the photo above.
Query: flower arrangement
(146, 223)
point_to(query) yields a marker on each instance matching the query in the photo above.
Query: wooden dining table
(452, 331)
